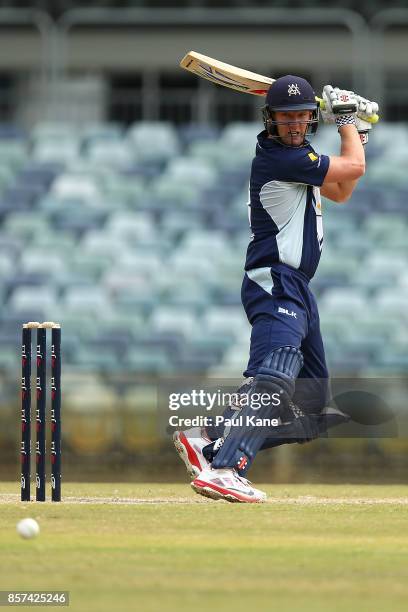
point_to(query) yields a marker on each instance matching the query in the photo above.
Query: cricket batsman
(286, 359)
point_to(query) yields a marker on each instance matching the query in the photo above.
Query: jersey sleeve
(306, 166)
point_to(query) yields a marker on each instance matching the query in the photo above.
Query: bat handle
(373, 119)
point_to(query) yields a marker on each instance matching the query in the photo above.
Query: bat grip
(373, 119)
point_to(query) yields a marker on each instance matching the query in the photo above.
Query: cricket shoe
(189, 445)
(225, 483)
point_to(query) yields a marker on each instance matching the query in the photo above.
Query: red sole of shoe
(204, 488)
(187, 454)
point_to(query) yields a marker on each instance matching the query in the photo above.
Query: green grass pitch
(152, 547)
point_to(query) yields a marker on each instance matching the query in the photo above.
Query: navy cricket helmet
(290, 93)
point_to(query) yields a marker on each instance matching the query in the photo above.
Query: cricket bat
(243, 80)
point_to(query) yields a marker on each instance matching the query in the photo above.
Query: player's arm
(344, 170)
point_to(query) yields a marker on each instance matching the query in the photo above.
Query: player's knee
(312, 394)
(276, 380)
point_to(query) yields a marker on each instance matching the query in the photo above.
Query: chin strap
(278, 139)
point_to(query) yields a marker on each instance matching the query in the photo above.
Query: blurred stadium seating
(138, 250)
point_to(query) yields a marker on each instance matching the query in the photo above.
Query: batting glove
(337, 103)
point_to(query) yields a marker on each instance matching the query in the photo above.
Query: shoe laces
(218, 443)
(241, 478)
(245, 480)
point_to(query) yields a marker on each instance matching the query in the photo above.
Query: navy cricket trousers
(283, 312)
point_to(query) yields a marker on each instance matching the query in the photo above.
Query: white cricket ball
(28, 528)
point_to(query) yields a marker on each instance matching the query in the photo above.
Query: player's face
(292, 126)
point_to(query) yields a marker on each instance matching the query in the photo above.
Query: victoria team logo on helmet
(293, 90)
(291, 93)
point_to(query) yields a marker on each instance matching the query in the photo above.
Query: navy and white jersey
(285, 208)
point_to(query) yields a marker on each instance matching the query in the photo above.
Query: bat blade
(226, 74)
(233, 77)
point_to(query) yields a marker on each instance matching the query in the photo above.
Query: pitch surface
(161, 547)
